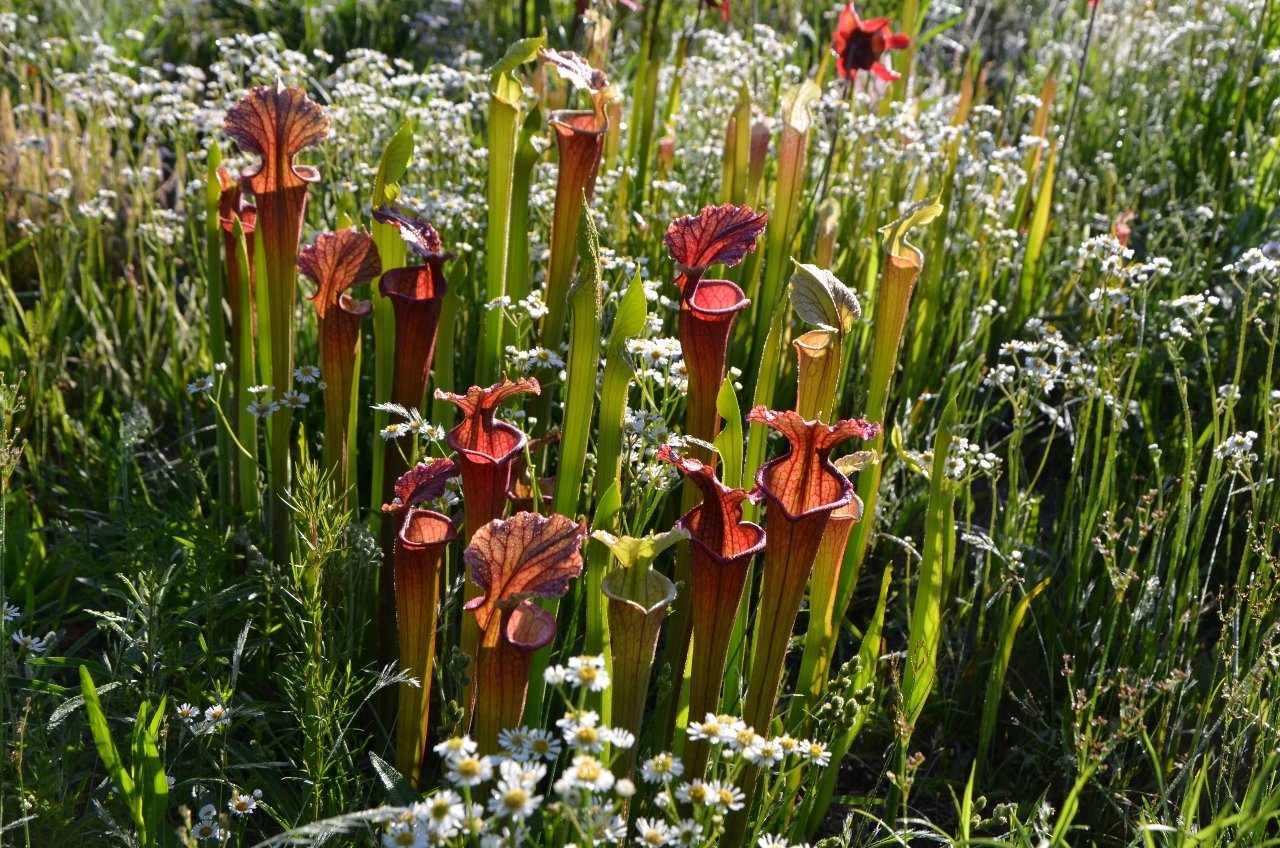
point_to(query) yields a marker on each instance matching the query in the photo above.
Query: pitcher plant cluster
(514, 535)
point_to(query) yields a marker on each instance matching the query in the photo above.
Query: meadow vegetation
(689, 423)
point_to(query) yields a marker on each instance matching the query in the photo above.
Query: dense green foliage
(1091, 535)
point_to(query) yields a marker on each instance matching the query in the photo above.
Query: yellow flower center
(515, 799)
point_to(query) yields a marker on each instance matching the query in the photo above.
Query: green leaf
(822, 300)
(895, 234)
(729, 440)
(995, 681)
(926, 616)
(102, 736)
(155, 783)
(394, 164)
(524, 50)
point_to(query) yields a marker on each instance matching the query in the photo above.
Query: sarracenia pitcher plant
(579, 136)
(275, 123)
(335, 263)
(718, 235)
(721, 546)
(801, 489)
(486, 449)
(421, 539)
(511, 561)
(638, 601)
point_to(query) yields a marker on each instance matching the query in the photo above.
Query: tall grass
(1077, 641)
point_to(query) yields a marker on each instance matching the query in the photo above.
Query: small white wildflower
(188, 713)
(469, 770)
(694, 792)
(661, 768)
(262, 408)
(653, 832)
(556, 675)
(393, 431)
(200, 386)
(588, 672)
(725, 796)
(306, 374)
(30, 644)
(242, 804)
(260, 390)
(442, 813)
(294, 399)
(10, 612)
(543, 745)
(458, 746)
(207, 829)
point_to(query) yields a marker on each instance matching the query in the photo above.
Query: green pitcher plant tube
(638, 601)
(234, 210)
(824, 627)
(902, 268)
(275, 123)
(512, 561)
(721, 546)
(801, 489)
(335, 263)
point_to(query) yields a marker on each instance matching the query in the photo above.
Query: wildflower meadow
(640, 422)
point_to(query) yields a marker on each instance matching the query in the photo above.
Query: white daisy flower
(31, 644)
(242, 804)
(514, 800)
(200, 386)
(652, 832)
(458, 746)
(588, 672)
(294, 399)
(207, 829)
(661, 768)
(725, 796)
(306, 374)
(469, 770)
(817, 754)
(544, 745)
(442, 814)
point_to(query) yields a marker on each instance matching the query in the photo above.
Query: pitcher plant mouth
(419, 547)
(802, 489)
(721, 546)
(335, 263)
(510, 562)
(718, 235)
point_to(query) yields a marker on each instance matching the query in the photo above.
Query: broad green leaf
(822, 300)
(394, 164)
(631, 551)
(524, 50)
(895, 234)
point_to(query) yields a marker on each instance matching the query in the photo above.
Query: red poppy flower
(859, 44)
